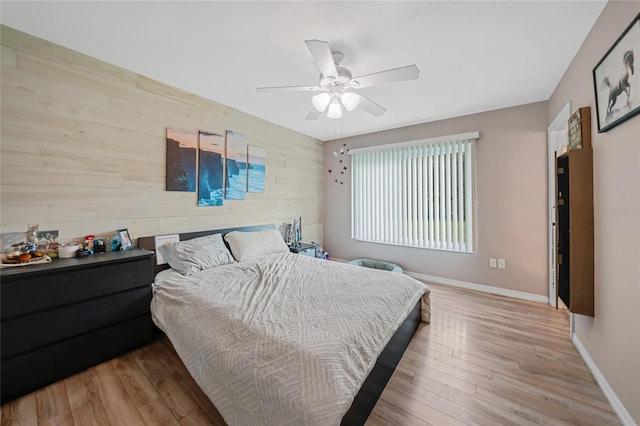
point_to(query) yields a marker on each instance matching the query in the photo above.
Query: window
(418, 194)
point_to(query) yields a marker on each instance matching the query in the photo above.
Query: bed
(279, 338)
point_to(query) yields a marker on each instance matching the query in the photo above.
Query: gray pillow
(249, 245)
(191, 256)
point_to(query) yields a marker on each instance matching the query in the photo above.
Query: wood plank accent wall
(83, 151)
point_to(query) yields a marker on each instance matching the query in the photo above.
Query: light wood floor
(484, 360)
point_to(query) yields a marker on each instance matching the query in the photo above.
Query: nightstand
(304, 249)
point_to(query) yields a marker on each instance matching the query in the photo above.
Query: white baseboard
(617, 406)
(480, 287)
(473, 286)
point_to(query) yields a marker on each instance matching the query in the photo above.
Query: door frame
(557, 136)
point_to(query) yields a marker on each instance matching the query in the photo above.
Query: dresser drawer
(34, 293)
(24, 373)
(25, 333)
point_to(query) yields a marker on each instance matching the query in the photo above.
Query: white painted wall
(511, 209)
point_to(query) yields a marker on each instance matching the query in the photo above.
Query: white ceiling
(474, 56)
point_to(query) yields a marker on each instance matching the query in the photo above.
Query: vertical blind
(418, 194)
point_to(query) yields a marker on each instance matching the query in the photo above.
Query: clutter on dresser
(34, 246)
(68, 250)
(88, 241)
(99, 246)
(21, 249)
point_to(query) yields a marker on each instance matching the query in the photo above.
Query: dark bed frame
(386, 363)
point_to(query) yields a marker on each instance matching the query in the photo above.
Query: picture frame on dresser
(125, 239)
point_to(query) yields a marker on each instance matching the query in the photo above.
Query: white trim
(439, 139)
(572, 324)
(481, 287)
(559, 121)
(617, 406)
(557, 129)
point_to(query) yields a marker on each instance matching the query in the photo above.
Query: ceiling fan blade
(371, 107)
(409, 72)
(321, 53)
(313, 114)
(289, 89)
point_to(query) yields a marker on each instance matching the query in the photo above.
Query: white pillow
(191, 256)
(249, 245)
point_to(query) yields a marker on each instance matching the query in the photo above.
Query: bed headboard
(149, 243)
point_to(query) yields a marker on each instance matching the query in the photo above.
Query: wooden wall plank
(8, 55)
(32, 83)
(83, 151)
(68, 57)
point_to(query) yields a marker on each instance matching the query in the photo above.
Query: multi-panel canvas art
(256, 170)
(181, 160)
(211, 168)
(236, 173)
(216, 165)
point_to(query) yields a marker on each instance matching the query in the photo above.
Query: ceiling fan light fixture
(350, 100)
(321, 101)
(334, 110)
(335, 90)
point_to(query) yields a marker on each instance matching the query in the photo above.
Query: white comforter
(283, 339)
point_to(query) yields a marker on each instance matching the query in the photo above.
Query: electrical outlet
(493, 262)
(502, 264)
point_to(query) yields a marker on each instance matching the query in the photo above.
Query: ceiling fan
(337, 86)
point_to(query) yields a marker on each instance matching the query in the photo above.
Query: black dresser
(71, 314)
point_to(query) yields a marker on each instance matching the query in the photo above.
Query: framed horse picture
(616, 84)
